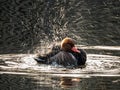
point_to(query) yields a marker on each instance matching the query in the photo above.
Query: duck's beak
(74, 49)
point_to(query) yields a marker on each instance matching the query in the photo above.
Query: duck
(66, 54)
(68, 45)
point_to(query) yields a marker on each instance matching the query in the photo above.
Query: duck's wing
(63, 58)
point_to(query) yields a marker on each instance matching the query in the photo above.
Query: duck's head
(68, 45)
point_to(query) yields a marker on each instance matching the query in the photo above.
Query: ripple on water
(96, 64)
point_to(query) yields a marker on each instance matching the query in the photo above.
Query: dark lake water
(21, 72)
(51, 82)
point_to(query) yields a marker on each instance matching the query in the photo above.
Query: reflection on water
(21, 72)
(67, 82)
(48, 82)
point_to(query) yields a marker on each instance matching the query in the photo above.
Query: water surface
(21, 72)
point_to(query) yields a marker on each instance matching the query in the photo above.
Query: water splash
(96, 64)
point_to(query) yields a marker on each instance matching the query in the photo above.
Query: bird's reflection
(68, 82)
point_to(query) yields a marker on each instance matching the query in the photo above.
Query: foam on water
(96, 64)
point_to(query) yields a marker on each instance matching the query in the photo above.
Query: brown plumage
(67, 44)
